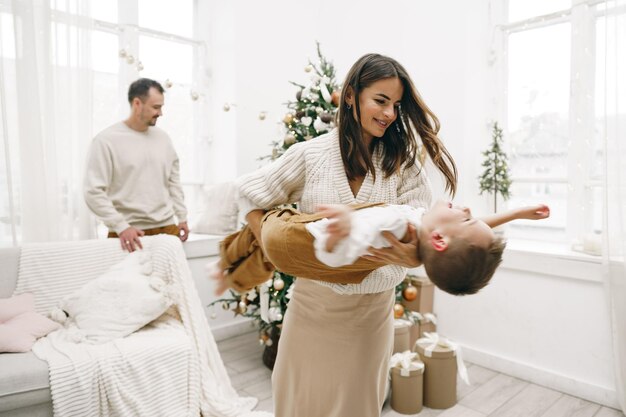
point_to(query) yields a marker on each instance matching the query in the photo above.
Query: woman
(337, 338)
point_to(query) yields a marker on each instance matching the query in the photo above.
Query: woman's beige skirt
(333, 353)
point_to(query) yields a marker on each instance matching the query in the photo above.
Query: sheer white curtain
(612, 111)
(46, 117)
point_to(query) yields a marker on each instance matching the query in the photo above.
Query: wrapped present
(407, 377)
(442, 360)
(428, 324)
(421, 298)
(401, 340)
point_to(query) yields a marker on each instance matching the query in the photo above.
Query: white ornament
(130, 59)
(308, 68)
(262, 115)
(139, 66)
(306, 120)
(319, 110)
(275, 314)
(325, 93)
(168, 83)
(226, 107)
(252, 295)
(213, 316)
(194, 96)
(320, 126)
(123, 53)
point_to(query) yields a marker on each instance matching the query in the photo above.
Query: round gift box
(407, 388)
(401, 338)
(439, 374)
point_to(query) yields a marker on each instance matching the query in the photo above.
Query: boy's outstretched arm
(536, 212)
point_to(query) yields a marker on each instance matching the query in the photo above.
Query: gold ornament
(288, 118)
(398, 311)
(242, 307)
(226, 107)
(130, 59)
(334, 98)
(308, 68)
(290, 139)
(168, 83)
(410, 292)
(262, 115)
(279, 284)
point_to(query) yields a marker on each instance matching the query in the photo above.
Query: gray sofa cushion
(24, 381)
(9, 263)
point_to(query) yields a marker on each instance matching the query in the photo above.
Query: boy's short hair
(463, 268)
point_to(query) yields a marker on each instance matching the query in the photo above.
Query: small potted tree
(495, 179)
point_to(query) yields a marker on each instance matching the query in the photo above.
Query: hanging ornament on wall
(168, 83)
(262, 115)
(139, 66)
(226, 107)
(194, 96)
(123, 53)
(130, 59)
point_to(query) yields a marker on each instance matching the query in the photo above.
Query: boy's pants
(287, 247)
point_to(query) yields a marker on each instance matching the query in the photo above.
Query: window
(90, 49)
(554, 59)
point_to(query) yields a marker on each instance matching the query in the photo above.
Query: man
(132, 182)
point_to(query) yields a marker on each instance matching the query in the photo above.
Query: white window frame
(582, 16)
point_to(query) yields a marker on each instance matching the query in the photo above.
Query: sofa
(24, 384)
(24, 378)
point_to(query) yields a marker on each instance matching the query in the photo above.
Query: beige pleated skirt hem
(333, 353)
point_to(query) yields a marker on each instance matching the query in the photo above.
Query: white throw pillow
(217, 210)
(118, 303)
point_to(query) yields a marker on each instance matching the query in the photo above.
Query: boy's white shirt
(366, 227)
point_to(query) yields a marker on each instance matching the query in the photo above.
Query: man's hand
(402, 253)
(183, 231)
(536, 212)
(129, 239)
(340, 225)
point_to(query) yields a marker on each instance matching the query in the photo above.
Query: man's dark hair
(141, 87)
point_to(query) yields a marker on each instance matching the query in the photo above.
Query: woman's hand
(402, 253)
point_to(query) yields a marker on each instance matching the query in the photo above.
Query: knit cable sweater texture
(312, 173)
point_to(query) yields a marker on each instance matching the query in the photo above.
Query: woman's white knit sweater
(312, 173)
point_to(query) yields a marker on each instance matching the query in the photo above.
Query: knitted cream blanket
(169, 368)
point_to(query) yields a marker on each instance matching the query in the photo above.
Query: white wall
(539, 326)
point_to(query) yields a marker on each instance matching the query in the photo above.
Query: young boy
(460, 253)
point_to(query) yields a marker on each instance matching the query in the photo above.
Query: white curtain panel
(46, 101)
(612, 112)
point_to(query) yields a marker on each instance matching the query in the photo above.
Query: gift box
(407, 379)
(428, 324)
(423, 302)
(401, 339)
(442, 359)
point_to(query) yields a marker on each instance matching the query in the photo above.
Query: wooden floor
(491, 394)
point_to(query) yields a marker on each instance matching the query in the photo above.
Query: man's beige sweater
(133, 179)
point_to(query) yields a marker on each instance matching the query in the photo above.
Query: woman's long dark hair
(399, 142)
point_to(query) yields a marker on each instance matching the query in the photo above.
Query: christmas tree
(311, 114)
(495, 179)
